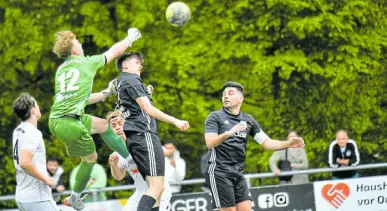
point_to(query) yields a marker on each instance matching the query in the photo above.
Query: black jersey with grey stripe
(130, 87)
(229, 156)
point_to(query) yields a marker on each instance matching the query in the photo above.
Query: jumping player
(73, 86)
(140, 128)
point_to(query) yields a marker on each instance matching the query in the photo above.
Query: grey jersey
(28, 188)
(229, 156)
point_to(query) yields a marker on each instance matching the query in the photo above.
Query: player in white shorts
(119, 166)
(33, 190)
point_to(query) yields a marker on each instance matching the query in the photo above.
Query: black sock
(155, 209)
(146, 203)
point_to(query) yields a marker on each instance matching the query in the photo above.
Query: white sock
(129, 158)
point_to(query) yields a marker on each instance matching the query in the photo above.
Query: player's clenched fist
(113, 159)
(150, 88)
(133, 35)
(297, 142)
(182, 124)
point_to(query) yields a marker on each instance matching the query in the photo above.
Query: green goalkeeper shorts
(74, 133)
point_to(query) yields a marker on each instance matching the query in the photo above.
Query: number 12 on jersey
(73, 75)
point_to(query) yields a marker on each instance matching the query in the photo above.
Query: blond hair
(114, 114)
(63, 43)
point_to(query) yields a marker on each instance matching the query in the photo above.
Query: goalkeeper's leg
(102, 127)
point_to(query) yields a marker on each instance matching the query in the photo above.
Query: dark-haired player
(140, 128)
(33, 183)
(226, 132)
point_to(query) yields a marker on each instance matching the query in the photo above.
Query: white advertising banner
(363, 194)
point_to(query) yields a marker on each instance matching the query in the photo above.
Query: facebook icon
(265, 201)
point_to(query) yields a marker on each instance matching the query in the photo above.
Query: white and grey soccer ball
(178, 14)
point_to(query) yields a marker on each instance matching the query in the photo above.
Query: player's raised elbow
(147, 108)
(145, 105)
(209, 145)
(210, 139)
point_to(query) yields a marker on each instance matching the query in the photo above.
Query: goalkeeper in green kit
(73, 91)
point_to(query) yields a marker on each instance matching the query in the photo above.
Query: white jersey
(28, 188)
(141, 186)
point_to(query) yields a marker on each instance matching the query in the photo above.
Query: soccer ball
(178, 14)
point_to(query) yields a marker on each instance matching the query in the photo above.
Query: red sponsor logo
(336, 194)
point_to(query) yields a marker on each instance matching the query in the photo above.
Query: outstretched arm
(96, 97)
(263, 139)
(101, 96)
(120, 47)
(271, 144)
(136, 91)
(154, 112)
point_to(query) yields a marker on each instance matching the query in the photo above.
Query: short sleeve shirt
(231, 154)
(28, 188)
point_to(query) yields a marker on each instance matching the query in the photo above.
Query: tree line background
(315, 66)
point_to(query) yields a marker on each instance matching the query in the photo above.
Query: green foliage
(314, 66)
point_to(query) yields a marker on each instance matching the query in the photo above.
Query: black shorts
(227, 189)
(147, 152)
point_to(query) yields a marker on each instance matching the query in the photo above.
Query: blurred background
(315, 66)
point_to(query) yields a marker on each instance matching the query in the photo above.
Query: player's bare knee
(158, 187)
(92, 158)
(244, 206)
(103, 125)
(99, 125)
(156, 183)
(158, 190)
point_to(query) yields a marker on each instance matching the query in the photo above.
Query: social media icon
(281, 199)
(265, 201)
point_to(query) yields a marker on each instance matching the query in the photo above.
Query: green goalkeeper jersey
(74, 83)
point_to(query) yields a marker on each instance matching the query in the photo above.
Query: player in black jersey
(226, 132)
(140, 127)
